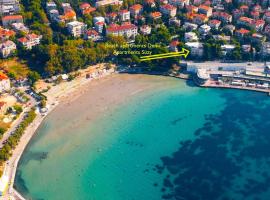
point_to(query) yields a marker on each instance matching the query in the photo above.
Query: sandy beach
(81, 96)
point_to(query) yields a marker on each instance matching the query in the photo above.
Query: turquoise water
(175, 142)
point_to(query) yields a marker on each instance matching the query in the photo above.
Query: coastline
(59, 94)
(62, 95)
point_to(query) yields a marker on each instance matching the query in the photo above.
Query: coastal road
(14, 126)
(16, 123)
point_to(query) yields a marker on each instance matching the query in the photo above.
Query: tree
(33, 77)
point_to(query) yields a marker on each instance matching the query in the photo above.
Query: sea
(176, 142)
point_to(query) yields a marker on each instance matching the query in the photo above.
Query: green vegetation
(18, 109)
(13, 140)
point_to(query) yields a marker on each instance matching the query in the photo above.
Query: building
(214, 23)
(51, 6)
(30, 40)
(7, 48)
(222, 16)
(92, 34)
(5, 34)
(196, 48)
(75, 28)
(54, 15)
(86, 8)
(174, 46)
(127, 30)
(136, 10)
(9, 7)
(99, 26)
(227, 49)
(145, 29)
(10, 19)
(204, 29)
(155, 15)
(111, 17)
(179, 3)
(108, 2)
(242, 32)
(175, 21)
(4, 83)
(124, 15)
(191, 36)
(150, 3)
(19, 27)
(206, 10)
(168, 9)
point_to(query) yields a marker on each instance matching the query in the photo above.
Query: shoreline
(64, 95)
(53, 100)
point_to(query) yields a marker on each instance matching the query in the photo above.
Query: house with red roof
(155, 15)
(92, 34)
(30, 40)
(86, 8)
(126, 29)
(101, 3)
(4, 83)
(111, 17)
(242, 32)
(150, 3)
(136, 10)
(5, 34)
(145, 29)
(206, 10)
(214, 23)
(7, 48)
(168, 9)
(222, 16)
(9, 19)
(179, 3)
(124, 15)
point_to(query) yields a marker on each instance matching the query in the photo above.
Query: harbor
(245, 77)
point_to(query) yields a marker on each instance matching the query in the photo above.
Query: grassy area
(15, 66)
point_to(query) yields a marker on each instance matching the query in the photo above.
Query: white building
(196, 48)
(108, 2)
(227, 48)
(8, 7)
(7, 48)
(204, 29)
(20, 27)
(126, 29)
(168, 9)
(92, 34)
(76, 29)
(4, 83)
(145, 29)
(124, 15)
(30, 40)
(191, 36)
(51, 6)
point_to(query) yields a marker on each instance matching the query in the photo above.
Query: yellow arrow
(184, 53)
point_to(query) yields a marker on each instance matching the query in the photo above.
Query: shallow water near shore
(172, 141)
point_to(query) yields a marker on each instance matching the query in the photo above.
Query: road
(16, 123)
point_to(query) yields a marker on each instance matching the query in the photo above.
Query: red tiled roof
(3, 76)
(11, 17)
(116, 27)
(84, 6)
(243, 31)
(136, 7)
(155, 14)
(168, 7)
(92, 32)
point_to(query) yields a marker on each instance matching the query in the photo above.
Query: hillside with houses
(59, 31)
